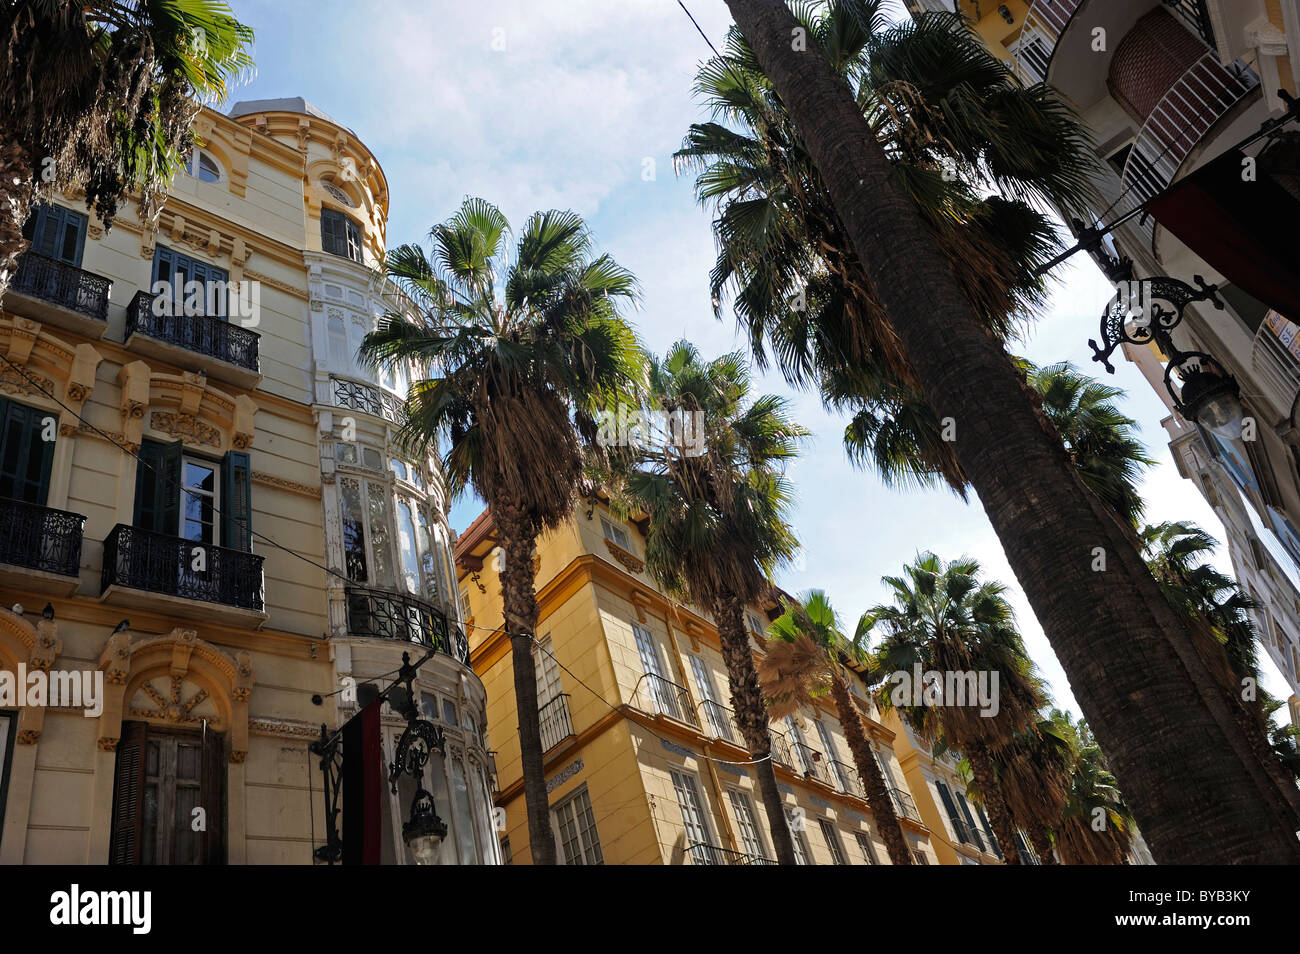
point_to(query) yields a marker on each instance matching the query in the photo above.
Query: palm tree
(1096, 826)
(805, 659)
(101, 94)
(1199, 790)
(518, 352)
(946, 620)
(1033, 777)
(718, 522)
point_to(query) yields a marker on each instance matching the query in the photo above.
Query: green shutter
(60, 234)
(236, 502)
(158, 487)
(26, 458)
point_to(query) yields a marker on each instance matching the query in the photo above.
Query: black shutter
(128, 795)
(60, 234)
(970, 822)
(158, 487)
(988, 830)
(332, 238)
(236, 502)
(951, 809)
(26, 458)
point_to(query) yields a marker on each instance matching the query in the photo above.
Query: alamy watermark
(975, 688)
(241, 301)
(630, 426)
(64, 689)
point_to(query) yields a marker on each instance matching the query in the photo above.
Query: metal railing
(721, 721)
(654, 693)
(368, 399)
(553, 721)
(387, 615)
(1044, 24)
(62, 284)
(904, 804)
(846, 778)
(781, 752)
(144, 560)
(702, 854)
(209, 335)
(1194, 103)
(811, 761)
(40, 538)
(1278, 363)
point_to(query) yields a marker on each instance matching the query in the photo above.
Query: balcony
(152, 571)
(383, 614)
(720, 722)
(904, 805)
(368, 399)
(222, 350)
(1195, 103)
(1044, 24)
(554, 722)
(40, 548)
(654, 693)
(812, 762)
(60, 294)
(702, 854)
(781, 753)
(846, 779)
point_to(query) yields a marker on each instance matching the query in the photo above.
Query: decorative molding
(630, 561)
(185, 426)
(12, 382)
(284, 728)
(29, 736)
(563, 775)
(283, 483)
(275, 283)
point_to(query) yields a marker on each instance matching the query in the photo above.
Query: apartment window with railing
(964, 804)
(950, 808)
(57, 233)
(832, 839)
(746, 823)
(802, 853)
(715, 716)
(27, 437)
(866, 848)
(192, 287)
(694, 817)
(340, 235)
(838, 768)
(579, 842)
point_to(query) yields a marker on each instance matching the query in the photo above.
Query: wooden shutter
(970, 822)
(26, 458)
(128, 795)
(158, 487)
(59, 233)
(213, 797)
(951, 807)
(236, 502)
(332, 238)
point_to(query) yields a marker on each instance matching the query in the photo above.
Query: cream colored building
(644, 764)
(204, 500)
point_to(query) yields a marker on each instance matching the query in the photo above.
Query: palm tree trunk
(751, 719)
(882, 806)
(15, 204)
(1042, 842)
(999, 815)
(1200, 794)
(519, 542)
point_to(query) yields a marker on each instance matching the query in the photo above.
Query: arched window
(203, 167)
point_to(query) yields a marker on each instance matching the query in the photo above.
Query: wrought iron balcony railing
(702, 854)
(846, 778)
(904, 805)
(144, 560)
(554, 722)
(720, 721)
(62, 284)
(781, 753)
(39, 538)
(387, 615)
(209, 335)
(811, 761)
(368, 399)
(654, 693)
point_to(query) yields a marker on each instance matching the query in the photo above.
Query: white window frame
(214, 496)
(866, 847)
(742, 809)
(585, 850)
(688, 783)
(834, 844)
(191, 168)
(616, 533)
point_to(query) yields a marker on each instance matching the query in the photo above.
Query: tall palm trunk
(882, 806)
(981, 765)
(1042, 841)
(751, 719)
(15, 205)
(1199, 792)
(519, 543)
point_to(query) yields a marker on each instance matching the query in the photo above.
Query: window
(338, 340)
(988, 830)
(339, 235)
(579, 842)
(964, 804)
(713, 712)
(194, 498)
(694, 818)
(950, 807)
(26, 457)
(203, 167)
(507, 857)
(750, 837)
(57, 233)
(802, 853)
(615, 534)
(465, 611)
(547, 671)
(162, 775)
(832, 753)
(755, 624)
(919, 857)
(800, 746)
(194, 287)
(365, 521)
(659, 689)
(867, 849)
(832, 838)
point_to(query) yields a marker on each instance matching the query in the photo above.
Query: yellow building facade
(643, 762)
(202, 514)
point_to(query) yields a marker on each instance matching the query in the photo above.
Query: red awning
(1249, 231)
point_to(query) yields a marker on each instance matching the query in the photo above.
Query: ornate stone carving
(29, 736)
(107, 745)
(631, 561)
(284, 484)
(185, 427)
(237, 757)
(13, 381)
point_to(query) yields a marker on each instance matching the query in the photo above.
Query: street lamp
(1210, 396)
(423, 831)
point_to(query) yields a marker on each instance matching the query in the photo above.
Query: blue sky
(579, 104)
